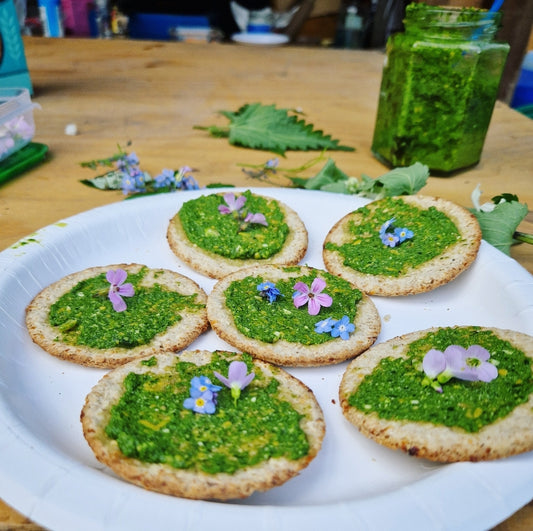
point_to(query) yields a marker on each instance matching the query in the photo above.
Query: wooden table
(152, 94)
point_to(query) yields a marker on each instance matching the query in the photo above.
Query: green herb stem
(523, 237)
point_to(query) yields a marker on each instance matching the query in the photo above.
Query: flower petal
(434, 363)
(323, 299)
(313, 307)
(487, 372)
(318, 285)
(477, 351)
(117, 301)
(116, 277)
(301, 287)
(126, 290)
(237, 371)
(301, 299)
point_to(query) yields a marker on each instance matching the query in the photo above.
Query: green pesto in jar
(150, 423)
(433, 232)
(439, 86)
(257, 318)
(222, 234)
(85, 315)
(394, 389)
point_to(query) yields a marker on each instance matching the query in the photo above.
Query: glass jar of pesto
(438, 89)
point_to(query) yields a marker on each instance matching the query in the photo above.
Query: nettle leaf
(399, 181)
(330, 179)
(112, 180)
(499, 225)
(405, 181)
(267, 128)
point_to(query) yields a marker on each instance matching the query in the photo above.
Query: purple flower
(343, 328)
(203, 403)
(256, 218)
(272, 164)
(325, 326)
(269, 290)
(133, 182)
(118, 289)
(237, 378)
(434, 363)
(314, 298)
(188, 182)
(165, 178)
(233, 204)
(470, 364)
(19, 127)
(126, 161)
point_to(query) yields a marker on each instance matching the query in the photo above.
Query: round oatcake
(386, 394)
(88, 331)
(279, 332)
(257, 441)
(444, 242)
(226, 245)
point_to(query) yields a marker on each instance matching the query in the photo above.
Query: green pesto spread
(150, 423)
(438, 89)
(220, 233)
(256, 318)
(433, 232)
(85, 315)
(394, 389)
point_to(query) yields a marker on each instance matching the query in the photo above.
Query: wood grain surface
(152, 94)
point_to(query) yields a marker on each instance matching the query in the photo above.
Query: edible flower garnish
(341, 328)
(472, 364)
(397, 236)
(235, 205)
(314, 298)
(325, 326)
(237, 378)
(203, 395)
(269, 291)
(118, 289)
(128, 176)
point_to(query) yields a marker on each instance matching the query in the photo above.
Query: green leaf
(404, 181)
(267, 128)
(330, 174)
(499, 225)
(399, 181)
(112, 180)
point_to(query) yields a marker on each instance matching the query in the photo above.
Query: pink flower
(232, 204)
(118, 289)
(256, 218)
(314, 298)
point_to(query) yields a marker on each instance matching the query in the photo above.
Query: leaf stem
(523, 237)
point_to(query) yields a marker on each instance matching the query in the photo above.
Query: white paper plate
(261, 39)
(48, 472)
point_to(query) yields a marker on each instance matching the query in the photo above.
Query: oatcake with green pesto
(89, 319)
(246, 310)
(402, 245)
(169, 424)
(469, 406)
(219, 233)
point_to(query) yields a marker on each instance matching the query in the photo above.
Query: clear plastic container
(17, 126)
(439, 86)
